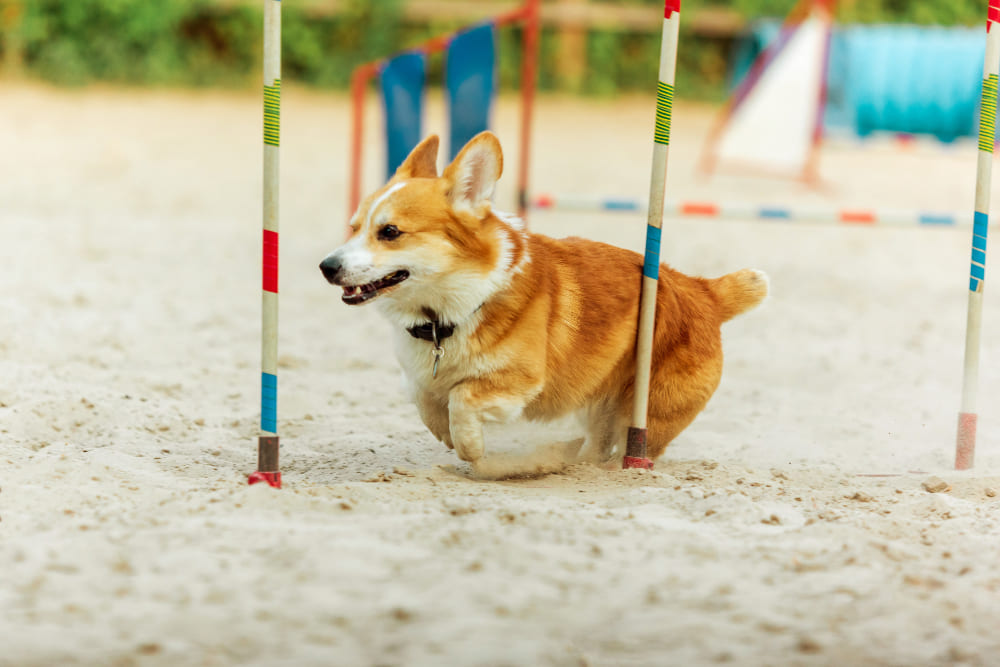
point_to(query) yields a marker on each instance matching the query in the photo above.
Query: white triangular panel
(774, 125)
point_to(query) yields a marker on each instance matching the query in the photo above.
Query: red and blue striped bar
(700, 209)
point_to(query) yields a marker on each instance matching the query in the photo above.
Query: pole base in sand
(637, 462)
(267, 462)
(965, 444)
(635, 450)
(273, 479)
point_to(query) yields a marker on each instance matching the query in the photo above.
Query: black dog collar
(426, 331)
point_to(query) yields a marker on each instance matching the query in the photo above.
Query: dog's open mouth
(355, 294)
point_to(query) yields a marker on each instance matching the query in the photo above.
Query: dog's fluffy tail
(740, 291)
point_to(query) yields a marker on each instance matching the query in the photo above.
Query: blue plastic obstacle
(470, 83)
(470, 78)
(402, 82)
(893, 78)
(914, 80)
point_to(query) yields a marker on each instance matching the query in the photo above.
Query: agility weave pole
(965, 444)
(267, 444)
(747, 211)
(635, 453)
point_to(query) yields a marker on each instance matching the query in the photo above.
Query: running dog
(493, 322)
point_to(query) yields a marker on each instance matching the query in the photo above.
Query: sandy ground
(787, 526)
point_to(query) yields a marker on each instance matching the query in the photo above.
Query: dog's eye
(388, 233)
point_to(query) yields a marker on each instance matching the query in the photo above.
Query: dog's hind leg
(662, 429)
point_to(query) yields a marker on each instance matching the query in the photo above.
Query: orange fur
(555, 330)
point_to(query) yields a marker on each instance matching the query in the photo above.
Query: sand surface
(788, 525)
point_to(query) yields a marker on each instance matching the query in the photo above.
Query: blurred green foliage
(206, 42)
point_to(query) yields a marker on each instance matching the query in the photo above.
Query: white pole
(965, 445)
(267, 447)
(635, 454)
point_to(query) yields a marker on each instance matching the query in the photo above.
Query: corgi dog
(492, 322)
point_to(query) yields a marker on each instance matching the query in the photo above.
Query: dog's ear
(422, 160)
(474, 172)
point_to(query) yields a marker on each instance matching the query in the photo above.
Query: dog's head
(424, 239)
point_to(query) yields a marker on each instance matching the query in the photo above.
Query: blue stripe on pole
(932, 219)
(651, 269)
(979, 257)
(269, 402)
(973, 285)
(980, 229)
(620, 205)
(977, 271)
(774, 213)
(980, 223)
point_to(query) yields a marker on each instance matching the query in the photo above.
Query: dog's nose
(331, 267)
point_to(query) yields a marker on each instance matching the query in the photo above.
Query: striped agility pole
(965, 443)
(267, 444)
(635, 453)
(740, 210)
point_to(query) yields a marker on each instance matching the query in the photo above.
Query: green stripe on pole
(664, 107)
(988, 114)
(272, 113)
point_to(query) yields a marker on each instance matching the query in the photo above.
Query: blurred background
(592, 47)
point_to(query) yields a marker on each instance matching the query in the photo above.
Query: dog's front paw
(469, 451)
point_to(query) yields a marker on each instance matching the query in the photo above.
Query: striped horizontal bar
(664, 107)
(935, 219)
(697, 208)
(651, 267)
(269, 402)
(621, 205)
(741, 210)
(272, 114)
(857, 217)
(270, 262)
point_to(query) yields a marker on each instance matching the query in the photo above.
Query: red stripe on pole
(270, 265)
(858, 217)
(698, 208)
(670, 6)
(993, 15)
